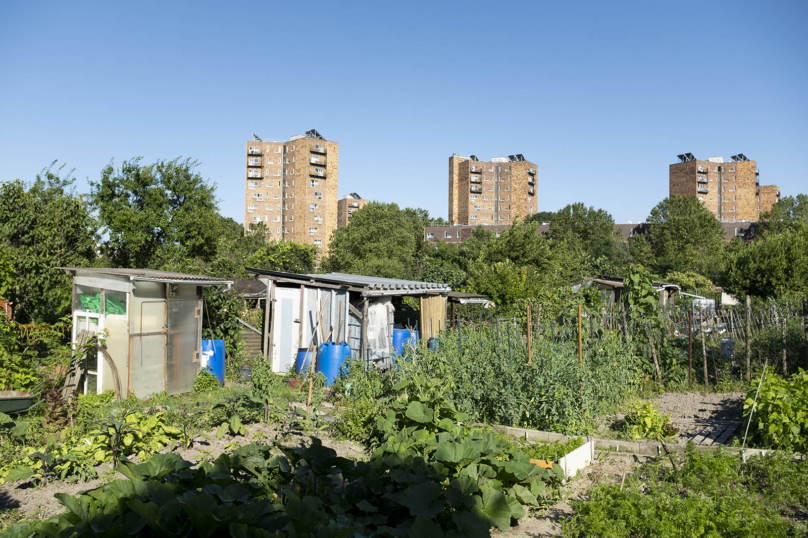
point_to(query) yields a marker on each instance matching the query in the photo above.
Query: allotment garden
(447, 442)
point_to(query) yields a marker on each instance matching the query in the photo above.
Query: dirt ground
(40, 502)
(691, 411)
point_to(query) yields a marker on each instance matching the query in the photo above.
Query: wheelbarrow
(15, 401)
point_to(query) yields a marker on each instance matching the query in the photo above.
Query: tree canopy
(43, 226)
(684, 236)
(155, 215)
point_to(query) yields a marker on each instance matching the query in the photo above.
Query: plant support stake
(459, 339)
(581, 359)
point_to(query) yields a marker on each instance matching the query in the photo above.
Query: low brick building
(458, 234)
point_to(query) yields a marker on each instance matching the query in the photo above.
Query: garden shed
(153, 325)
(358, 310)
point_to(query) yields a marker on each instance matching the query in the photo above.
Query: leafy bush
(709, 494)
(780, 417)
(206, 381)
(357, 419)
(643, 421)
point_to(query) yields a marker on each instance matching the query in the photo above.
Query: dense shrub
(780, 417)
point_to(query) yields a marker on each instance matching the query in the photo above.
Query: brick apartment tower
(292, 187)
(731, 190)
(347, 207)
(491, 192)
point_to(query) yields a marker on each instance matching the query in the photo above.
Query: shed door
(147, 361)
(285, 329)
(182, 339)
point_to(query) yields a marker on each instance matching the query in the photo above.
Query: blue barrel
(432, 344)
(402, 337)
(213, 358)
(330, 360)
(303, 361)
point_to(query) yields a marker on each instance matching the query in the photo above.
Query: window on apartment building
(701, 198)
(279, 207)
(319, 219)
(252, 184)
(268, 160)
(278, 230)
(318, 243)
(268, 207)
(430, 235)
(446, 235)
(252, 207)
(278, 150)
(258, 196)
(256, 219)
(312, 207)
(474, 217)
(318, 195)
(254, 149)
(473, 197)
(290, 218)
(254, 160)
(312, 231)
(314, 183)
(269, 184)
(277, 219)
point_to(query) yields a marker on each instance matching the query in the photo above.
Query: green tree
(770, 266)
(592, 228)
(789, 214)
(44, 226)
(505, 282)
(685, 236)
(285, 256)
(540, 218)
(380, 240)
(156, 216)
(235, 246)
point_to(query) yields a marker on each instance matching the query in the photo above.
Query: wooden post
(783, 321)
(625, 323)
(690, 347)
(459, 338)
(748, 338)
(581, 359)
(538, 323)
(704, 349)
(529, 332)
(300, 317)
(805, 327)
(653, 352)
(365, 332)
(268, 304)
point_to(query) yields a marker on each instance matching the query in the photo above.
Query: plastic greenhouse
(151, 327)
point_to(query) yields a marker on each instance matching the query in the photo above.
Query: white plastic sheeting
(379, 328)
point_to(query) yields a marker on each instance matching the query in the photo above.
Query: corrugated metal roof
(370, 283)
(379, 283)
(149, 274)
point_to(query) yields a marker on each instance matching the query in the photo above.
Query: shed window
(89, 299)
(114, 303)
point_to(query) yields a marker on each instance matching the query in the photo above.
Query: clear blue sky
(601, 95)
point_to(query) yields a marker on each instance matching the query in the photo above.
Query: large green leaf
(495, 508)
(456, 452)
(419, 412)
(422, 500)
(19, 473)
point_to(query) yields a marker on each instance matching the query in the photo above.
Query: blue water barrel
(330, 360)
(432, 344)
(403, 337)
(303, 361)
(213, 358)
